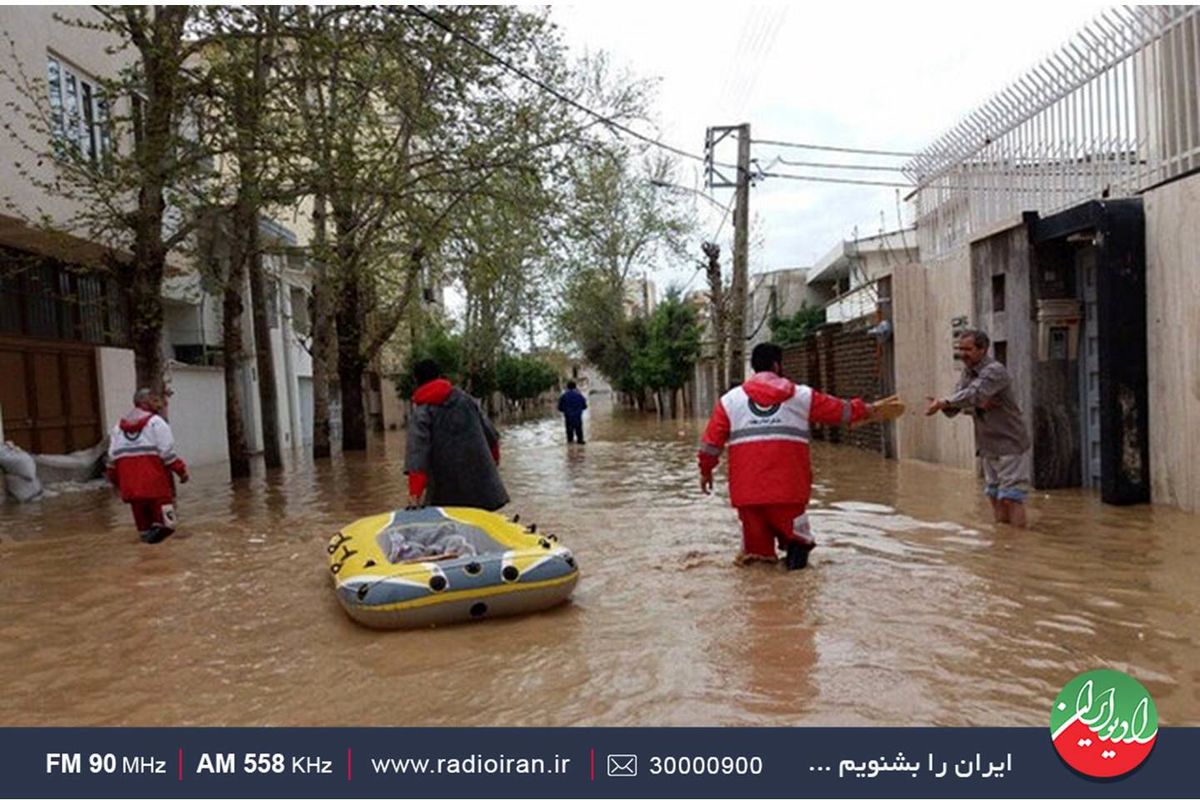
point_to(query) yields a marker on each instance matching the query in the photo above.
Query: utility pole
(736, 310)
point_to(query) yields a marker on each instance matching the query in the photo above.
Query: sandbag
(20, 473)
(77, 467)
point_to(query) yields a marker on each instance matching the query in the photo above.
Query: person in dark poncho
(452, 448)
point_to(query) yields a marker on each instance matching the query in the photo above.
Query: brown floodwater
(916, 609)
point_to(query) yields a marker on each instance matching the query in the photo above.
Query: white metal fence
(1110, 114)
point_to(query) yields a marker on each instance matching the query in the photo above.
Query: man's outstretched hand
(934, 406)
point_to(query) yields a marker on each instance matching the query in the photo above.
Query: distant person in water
(142, 465)
(572, 404)
(765, 421)
(452, 448)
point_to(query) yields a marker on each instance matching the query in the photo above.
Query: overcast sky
(865, 75)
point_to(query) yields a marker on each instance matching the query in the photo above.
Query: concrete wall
(197, 413)
(1173, 331)
(394, 417)
(1006, 254)
(117, 380)
(927, 299)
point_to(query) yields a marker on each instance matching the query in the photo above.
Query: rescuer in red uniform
(765, 422)
(141, 465)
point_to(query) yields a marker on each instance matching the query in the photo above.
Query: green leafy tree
(794, 329)
(436, 342)
(523, 378)
(620, 224)
(664, 357)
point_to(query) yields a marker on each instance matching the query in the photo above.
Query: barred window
(47, 299)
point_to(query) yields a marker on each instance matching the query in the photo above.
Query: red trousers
(147, 513)
(763, 526)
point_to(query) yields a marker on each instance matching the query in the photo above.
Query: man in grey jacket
(452, 448)
(1001, 436)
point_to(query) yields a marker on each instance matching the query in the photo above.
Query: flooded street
(916, 609)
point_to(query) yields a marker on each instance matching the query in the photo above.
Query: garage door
(48, 395)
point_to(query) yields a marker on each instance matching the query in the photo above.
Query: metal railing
(1110, 114)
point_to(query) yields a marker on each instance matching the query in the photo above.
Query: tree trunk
(146, 318)
(354, 417)
(249, 104)
(159, 47)
(716, 293)
(351, 364)
(322, 333)
(235, 429)
(264, 356)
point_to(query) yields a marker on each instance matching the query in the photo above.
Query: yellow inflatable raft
(431, 566)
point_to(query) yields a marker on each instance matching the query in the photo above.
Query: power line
(692, 279)
(725, 216)
(833, 149)
(551, 90)
(825, 165)
(817, 179)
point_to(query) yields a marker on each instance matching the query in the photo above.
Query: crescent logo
(762, 411)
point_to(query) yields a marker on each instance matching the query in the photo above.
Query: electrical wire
(817, 179)
(831, 148)
(725, 216)
(611, 123)
(823, 165)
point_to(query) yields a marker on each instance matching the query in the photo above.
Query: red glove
(416, 483)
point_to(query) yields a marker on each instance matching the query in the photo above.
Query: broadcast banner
(595, 762)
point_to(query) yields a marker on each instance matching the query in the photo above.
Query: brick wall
(841, 360)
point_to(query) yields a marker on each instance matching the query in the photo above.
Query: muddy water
(916, 609)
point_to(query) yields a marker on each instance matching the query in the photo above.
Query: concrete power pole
(735, 312)
(741, 240)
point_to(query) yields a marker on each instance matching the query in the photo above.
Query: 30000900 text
(706, 765)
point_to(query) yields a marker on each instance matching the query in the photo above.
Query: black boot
(797, 556)
(156, 534)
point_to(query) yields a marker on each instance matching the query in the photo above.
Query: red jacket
(140, 451)
(766, 424)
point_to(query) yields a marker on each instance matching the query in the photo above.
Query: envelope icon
(623, 765)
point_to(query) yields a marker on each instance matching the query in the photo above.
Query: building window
(79, 113)
(997, 293)
(1000, 349)
(47, 299)
(272, 301)
(299, 304)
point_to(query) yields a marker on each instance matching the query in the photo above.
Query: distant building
(847, 279)
(777, 294)
(641, 296)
